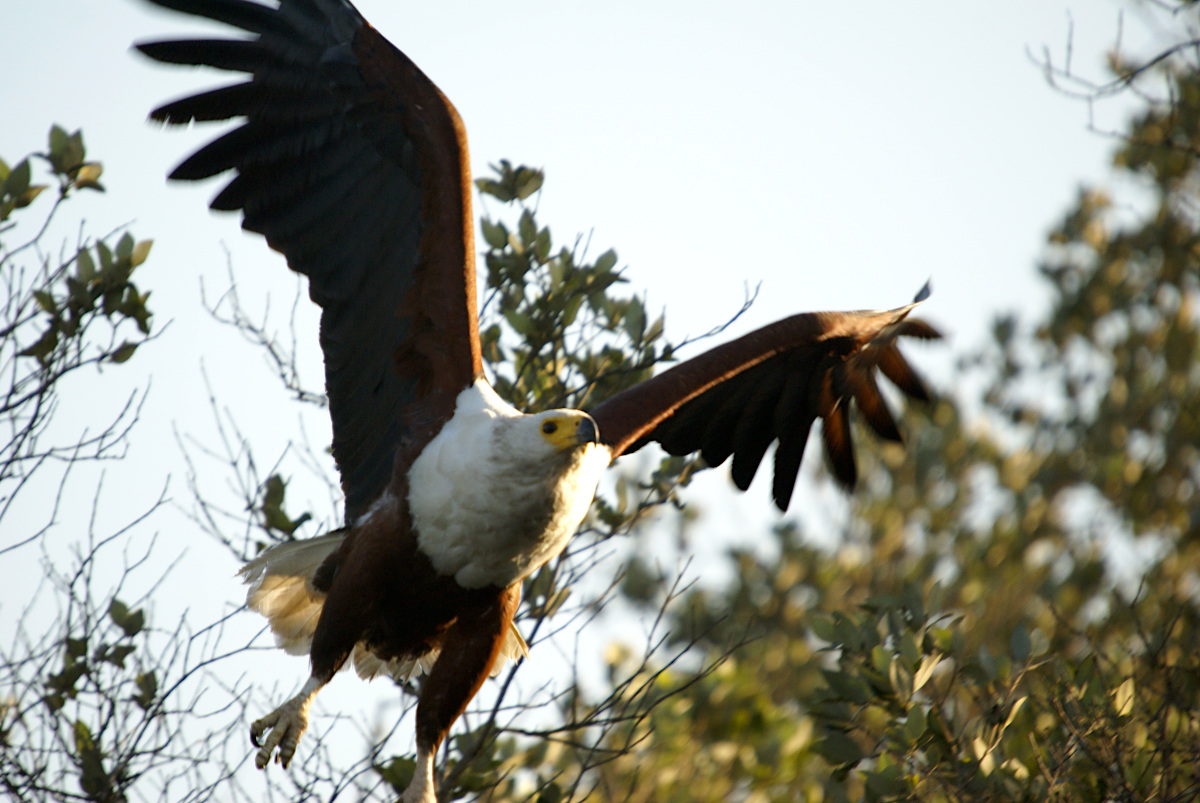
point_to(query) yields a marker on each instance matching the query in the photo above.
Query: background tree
(1008, 613)
(81, 708)
(1011, 612)
(61, 313)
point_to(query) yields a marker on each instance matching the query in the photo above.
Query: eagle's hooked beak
(587, 431)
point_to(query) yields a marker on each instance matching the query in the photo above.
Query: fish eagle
(351, 163)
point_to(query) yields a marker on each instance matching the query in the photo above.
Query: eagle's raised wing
(771, 385)
(354, 166)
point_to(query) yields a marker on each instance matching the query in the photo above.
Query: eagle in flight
(354, 166)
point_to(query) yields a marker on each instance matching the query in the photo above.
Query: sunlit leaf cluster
(46, 315)
(551, 329)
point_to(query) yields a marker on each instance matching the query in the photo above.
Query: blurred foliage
(1014, 610)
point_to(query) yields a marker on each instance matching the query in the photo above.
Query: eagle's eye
(549, 427)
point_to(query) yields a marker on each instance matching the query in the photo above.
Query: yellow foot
(287, 724)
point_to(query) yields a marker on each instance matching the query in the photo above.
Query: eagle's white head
(533, 444)
(498, 493)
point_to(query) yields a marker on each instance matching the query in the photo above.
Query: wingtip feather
(925, 292)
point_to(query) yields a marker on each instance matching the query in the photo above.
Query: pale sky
(833, 155)
(836, 155)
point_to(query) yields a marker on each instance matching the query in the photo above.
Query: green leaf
(274, 517)
(83, 738)
(913, 600)
(925, 671)
(118, 611)
(117, 654)
(1017, 705)
(489, 341)
(881, 602)
(846, 687)
(554, 602)
(134, 307)
(494, 188)
(147, 684)
(571, 309)
(557, 270)
(106, 262)
(823, 628)
(522, 324)
(1123, 698)
(123, 352)
(85, 267)
(125, 246)
(63, 682)
(494, 234)
(397, 773)
(606, 261)
(140, 252)
(516, 243)
(655, 331)
(528, 181)
(18, 180)
(540, 584)
(134, 623)
(527, 228)
(26, 198)
(542, 245)
(66, 151)
(914, 725)
(87, 178)
(839, 748)
(58, 142)
(635, 320)
(43, 348)
(887, 782)
(131, 622)
(1019, 643)
(45, 301)
(881, 659)
(901, 678)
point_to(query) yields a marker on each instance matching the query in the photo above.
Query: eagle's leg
(468, 652)
(287, 724)
(336, 632)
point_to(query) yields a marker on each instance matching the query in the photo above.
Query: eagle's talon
(256, 731)
(287, 724)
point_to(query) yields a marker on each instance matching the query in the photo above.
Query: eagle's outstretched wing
(771, 385)
(354, 166)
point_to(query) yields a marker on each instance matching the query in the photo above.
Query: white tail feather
(370, 666)
(514, 648)
(281, 589)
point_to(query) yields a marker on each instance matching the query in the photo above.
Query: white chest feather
(491, 499)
